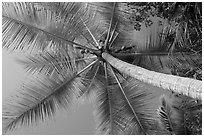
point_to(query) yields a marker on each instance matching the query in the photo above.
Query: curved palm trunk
(186, 86)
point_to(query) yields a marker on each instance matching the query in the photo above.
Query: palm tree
(73, 53)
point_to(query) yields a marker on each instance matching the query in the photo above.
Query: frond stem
(90, 33)
(110, 26)
(113, 39)
(149, 54)
(109, 95)
(112, 34)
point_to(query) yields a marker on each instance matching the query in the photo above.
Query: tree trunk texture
(186, 86)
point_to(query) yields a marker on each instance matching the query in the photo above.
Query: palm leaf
(86, 16)
(30, 25)
(167, 63)
(49, 62)
(119, 113)
(161, 44)
(110, 26)
(157, 53)
(103, 100)
(139, 111)
(39, 99)
(172, 118)
(116, 23)
(165, 115)
(190, 111)
(44, 22)
(97, 23)
(91, 77)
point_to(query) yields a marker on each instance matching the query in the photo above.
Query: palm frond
(190, 113)
(104, 113)
(172, 118)
(30, 25)
(103, 100)
(45, 22)
(110, 26)
(63, 9)
(110, 130)
(168, 63)
(94, 22)
(39, 99)
(140, 114)
(115, 21)
(156, 43)
(117, 108)
(91, 77)
(92, 36)
(165, 114)
(49, 62)
(158, 55)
